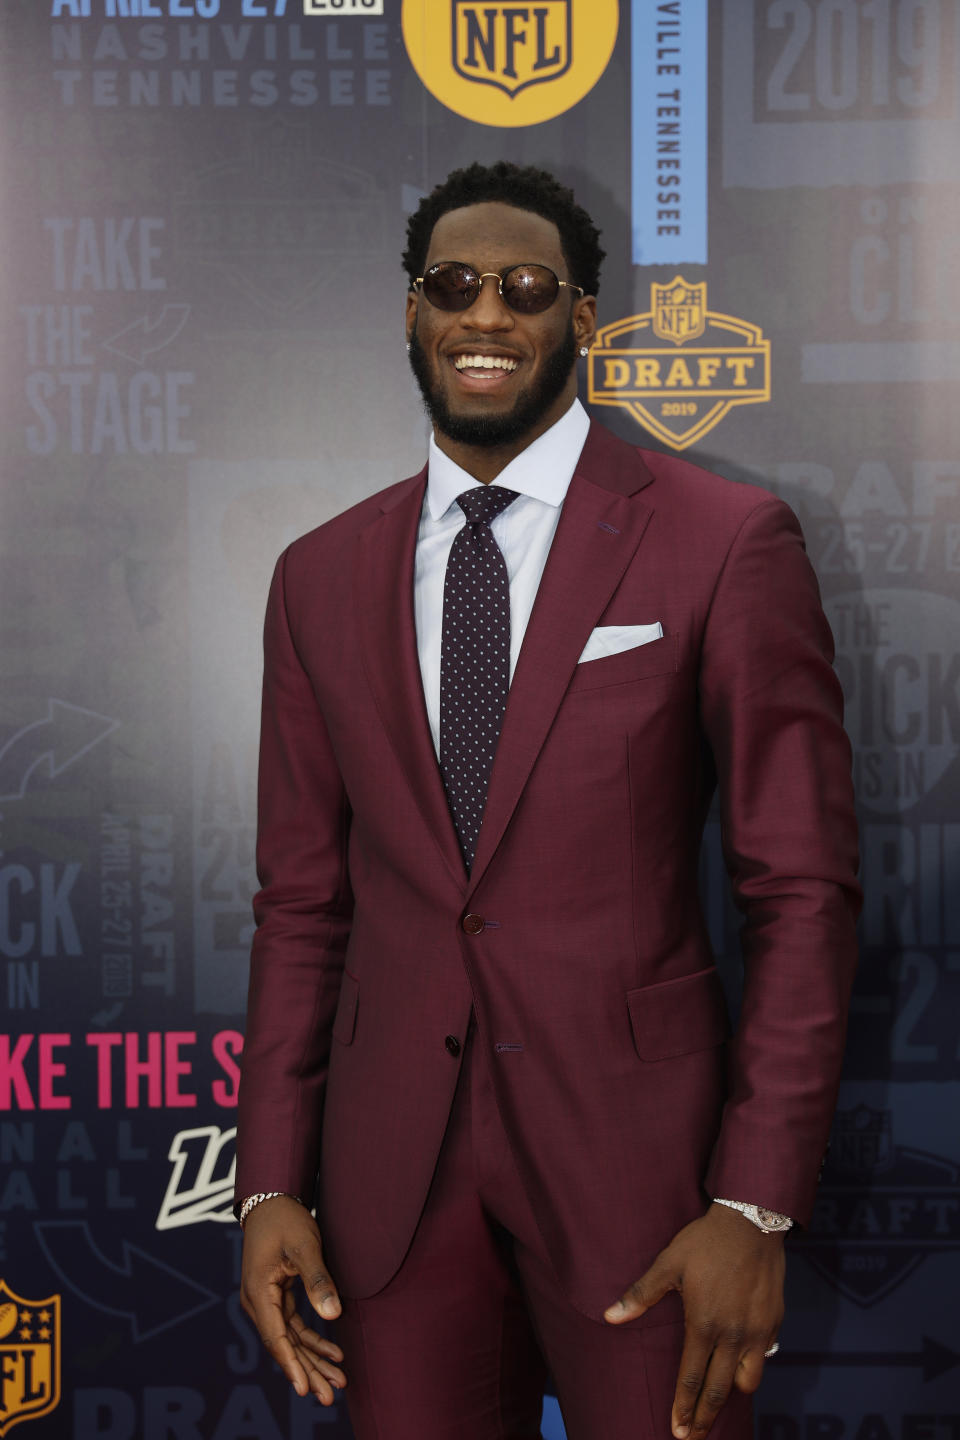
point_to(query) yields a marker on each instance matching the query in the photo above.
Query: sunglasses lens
(528, 289)
(451, 286)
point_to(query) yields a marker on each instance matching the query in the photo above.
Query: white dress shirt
(541, 475)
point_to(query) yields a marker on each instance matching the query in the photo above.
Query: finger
(321, 1291)
(304, 1334)
(332, 1374)
(715, 1388)
(639, 1297)
(694, 1360)
(318, 1345)
(266, 1305)
(323, 1378)
(315, 1354)
(310, 1351)
(323, 1387)
(288, 1303)
(279, 1346)
(749, 1372)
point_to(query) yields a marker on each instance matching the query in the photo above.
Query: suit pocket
(345, 1020)
(657, 657)
(677, 1017)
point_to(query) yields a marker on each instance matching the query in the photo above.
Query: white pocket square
(611, 639)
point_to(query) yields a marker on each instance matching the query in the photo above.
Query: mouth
(481, 370)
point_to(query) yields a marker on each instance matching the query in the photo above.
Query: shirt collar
(544, 470)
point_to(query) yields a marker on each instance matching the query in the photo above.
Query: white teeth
(485, 362)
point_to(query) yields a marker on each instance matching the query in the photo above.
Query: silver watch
(771, 1222)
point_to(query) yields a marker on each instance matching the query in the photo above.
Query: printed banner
(668, 127)
(204, 209)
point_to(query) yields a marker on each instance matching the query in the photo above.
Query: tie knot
(483, 503)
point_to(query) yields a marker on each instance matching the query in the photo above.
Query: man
(512, 1030)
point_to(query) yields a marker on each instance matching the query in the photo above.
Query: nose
(489, 311)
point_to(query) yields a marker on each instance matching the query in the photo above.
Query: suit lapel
(598, 533)
(385, 569)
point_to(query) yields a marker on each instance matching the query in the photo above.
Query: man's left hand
(730, 1277)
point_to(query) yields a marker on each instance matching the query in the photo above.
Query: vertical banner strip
(669, 132)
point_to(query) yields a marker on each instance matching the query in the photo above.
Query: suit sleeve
(772, 710)
(303, 912)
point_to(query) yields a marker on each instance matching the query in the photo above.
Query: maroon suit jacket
(591, 978)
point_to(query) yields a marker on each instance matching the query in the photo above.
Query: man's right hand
(280, 1242)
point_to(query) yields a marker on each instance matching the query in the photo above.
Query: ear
(410, 314)
(585, 319)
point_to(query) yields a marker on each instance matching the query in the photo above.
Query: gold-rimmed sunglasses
(526, 289)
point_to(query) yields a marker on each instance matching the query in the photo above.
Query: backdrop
(203, 209)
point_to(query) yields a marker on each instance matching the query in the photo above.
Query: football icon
(8, 1318)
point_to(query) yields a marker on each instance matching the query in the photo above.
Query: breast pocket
(657, 657)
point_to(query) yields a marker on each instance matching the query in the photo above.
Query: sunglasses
(526, 289)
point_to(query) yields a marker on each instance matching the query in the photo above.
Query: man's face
(536, 381)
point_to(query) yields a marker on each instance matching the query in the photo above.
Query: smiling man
(506, 388)
(486, 1036)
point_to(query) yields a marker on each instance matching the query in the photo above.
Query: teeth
(485, 362)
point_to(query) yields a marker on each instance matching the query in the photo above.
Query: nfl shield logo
(29, 1357)
(512, 46)
(862, 1140)
(679, 310)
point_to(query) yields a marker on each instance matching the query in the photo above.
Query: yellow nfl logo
(510, 47)
(679, 310)
(501, 62)
(29, 1357)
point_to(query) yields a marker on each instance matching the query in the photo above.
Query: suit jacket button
(452, 1044)
(472, 924)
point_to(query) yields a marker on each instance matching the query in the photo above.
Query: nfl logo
(512, 46)
(862, 1140)
(679, 310)
(29, 1357)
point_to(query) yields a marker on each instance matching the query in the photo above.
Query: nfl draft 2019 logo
(29, 1357)
(509, 63)
(882, 1208)
(680, 367)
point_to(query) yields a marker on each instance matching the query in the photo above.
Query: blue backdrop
(203, 208)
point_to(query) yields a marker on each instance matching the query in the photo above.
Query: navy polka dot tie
(474, 660)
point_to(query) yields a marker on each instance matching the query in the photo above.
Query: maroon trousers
(458, 1345)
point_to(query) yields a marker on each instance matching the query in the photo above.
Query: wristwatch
(771, 1222)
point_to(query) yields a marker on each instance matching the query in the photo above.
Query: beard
(489, 431)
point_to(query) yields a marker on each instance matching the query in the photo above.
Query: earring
(408, 347)
(584, 351)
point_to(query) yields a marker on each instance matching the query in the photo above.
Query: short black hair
(525, 188)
